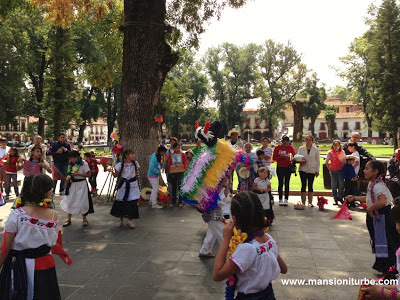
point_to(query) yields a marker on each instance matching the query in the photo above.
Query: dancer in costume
(214, 232)
(249, 158)
(125, 204)
(262, 187)
(381, 227)
(36, 163)
(77, 199)
(378, 292)
(255, 262)
(28, 270)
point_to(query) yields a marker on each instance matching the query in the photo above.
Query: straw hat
(244, 173)
(350, 157)
(145, 193)
(233, 130)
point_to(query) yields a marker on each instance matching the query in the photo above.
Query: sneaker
(156, 206)
(180, 204)
(171, 205)
(62, 193)
(285, 203)
(281, 202)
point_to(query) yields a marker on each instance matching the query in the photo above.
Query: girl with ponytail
(253, 260)
(380, 224)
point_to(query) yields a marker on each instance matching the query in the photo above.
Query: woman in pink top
(335, 160)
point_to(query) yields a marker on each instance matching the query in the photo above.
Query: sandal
(310, 205)
(67, 223)
(131, 225)
(208, 255)
(120, 224)
(85, 223)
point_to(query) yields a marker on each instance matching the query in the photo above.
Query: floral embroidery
(262, 248)
(50, 225)
(34, 221)
(38, 222)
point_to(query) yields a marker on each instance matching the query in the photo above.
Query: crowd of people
(32, 228)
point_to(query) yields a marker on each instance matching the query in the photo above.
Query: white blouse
(258, 264)
(31, 232)
(379, 189)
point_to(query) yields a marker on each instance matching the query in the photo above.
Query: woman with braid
(381, 226)
(255, 262)
(125, 204)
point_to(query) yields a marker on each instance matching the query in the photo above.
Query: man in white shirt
(37, 141)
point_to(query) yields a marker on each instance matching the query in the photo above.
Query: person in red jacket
(11, 168)
(94, 170)
(282, 157)
(177, 165)
(335, 160)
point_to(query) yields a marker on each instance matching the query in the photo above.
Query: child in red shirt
(11, 169)
(94, 169)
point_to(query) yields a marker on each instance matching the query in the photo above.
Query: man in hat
(235, 141)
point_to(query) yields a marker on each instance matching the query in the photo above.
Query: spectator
(364, 154)
(60, 150)
(156, 164)
(196, 150)
(3, 152)
(235, 141)
(309, 169)
(335, 160)
(37, 141)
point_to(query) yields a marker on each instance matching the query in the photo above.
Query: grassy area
(375, 150)
(295, 183)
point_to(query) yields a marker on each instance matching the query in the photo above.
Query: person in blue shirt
(156, 164)
(350, 178)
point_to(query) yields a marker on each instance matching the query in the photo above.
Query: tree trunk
(41, 125)
(147, 59)
(330, 125)
(82, 128)
(312, 122)
(369, 124)
(270, 128)
(298, 113)
(395, 141)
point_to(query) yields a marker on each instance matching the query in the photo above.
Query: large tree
(281, 78)
(330, 116)
(232, 71)
(315, 103)
(385, 68)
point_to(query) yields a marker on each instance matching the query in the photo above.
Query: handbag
(293, 168)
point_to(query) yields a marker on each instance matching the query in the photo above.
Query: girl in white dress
(262, 187)
(28, 270)
(125, 204)
(256, 261)
(77, 199)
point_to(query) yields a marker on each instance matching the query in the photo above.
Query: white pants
(154, 191)
(214, 232)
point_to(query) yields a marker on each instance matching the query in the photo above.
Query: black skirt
(125, 209)
(393, 241)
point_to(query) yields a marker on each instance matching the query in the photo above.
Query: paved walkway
(159, 259)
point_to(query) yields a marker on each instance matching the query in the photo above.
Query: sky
(321, 30)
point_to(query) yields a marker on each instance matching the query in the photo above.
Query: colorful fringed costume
(201, 180)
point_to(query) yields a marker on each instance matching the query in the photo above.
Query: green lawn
(375, 150)
(295, 183)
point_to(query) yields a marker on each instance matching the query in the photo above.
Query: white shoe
(62, 193)
(156, 206)
(281, 202)
(285, 203)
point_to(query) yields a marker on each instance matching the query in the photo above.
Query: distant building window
(334, 126)
(345, 125)
(322, 126)
(309, 126)
(358, 126)
(347, 109)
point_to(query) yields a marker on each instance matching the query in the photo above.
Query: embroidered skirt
(125, 209)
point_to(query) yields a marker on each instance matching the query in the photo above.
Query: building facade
(16, 132)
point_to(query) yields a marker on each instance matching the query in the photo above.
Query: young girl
(262, 187)
(125, 204)
(11, 168)
(256, 261)
(381, 227)
(378, 292)
(224, 194)
(177, 165)
(156, 164)
(77, 199)
(335, 160)
(29, 234)
(94, 170)
(35, 164)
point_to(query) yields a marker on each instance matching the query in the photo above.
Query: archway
(257, 135)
